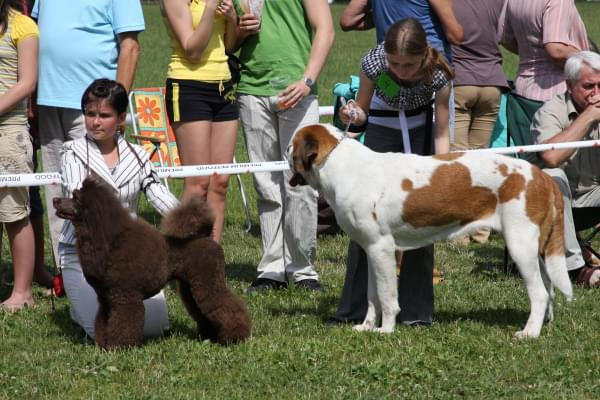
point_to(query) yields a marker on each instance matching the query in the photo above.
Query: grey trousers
(415, 286)
(57, 125)
(572, 249)
(288, 215)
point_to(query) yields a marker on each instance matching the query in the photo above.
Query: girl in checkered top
(404, 82)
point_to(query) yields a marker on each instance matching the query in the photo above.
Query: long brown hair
(6, 6)
(407, 37)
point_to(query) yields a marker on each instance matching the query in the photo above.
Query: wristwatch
(308, 82)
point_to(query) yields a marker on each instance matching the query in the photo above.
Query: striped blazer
(82, 156)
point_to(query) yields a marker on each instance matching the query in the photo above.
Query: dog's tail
(554, 249)
(192, 218)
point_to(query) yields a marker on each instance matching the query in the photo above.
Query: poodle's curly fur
(126, 260)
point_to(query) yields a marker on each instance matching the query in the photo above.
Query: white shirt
(129, 177)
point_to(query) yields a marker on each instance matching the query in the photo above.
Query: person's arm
(231, 24)
(156, 192)
(577, 131)
(559, 52)
(450, 25)
(441, 136)
(357, 16)
(129, 53)
(192, 41)
(319, 17)
(27, 62)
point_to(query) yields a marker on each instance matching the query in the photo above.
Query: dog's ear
(306, 153)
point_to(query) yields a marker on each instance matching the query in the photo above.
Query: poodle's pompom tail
(192, 218)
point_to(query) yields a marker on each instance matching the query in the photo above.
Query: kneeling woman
(127, 168)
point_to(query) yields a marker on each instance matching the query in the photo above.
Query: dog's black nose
(297, 179)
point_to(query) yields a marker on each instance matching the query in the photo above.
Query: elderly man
(574, 116)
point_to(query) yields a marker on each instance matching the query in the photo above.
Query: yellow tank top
(212, 65)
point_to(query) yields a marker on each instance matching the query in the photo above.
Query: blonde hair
(406, 37)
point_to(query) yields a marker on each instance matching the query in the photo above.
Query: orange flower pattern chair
(151, 127)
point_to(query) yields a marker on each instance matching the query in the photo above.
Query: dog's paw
(362, 328)
(384, 330)
(524, 334)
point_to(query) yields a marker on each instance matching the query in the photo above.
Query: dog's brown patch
(542, 196)
(449, 197)
(407, 185)
(503, 168)
(512, 187)
(311, 145)
(449, 156)
(374, 215)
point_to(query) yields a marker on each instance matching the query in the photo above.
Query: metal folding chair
(151, 129)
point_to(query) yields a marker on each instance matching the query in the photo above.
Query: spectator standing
(79, 42)
(283, 49)
(18, 74)
(479, 78)
(543, 33)
(200, 95)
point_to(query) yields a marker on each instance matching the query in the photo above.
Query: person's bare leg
(197, 145)
(20, 236)
(222, 144)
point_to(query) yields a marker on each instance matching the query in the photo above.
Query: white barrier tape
(53, 178)
(206, 170)
(540, 147)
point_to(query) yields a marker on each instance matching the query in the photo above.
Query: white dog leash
(351, 105)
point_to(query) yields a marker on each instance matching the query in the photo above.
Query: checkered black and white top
(410, 96)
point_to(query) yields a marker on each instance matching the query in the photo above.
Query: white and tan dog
(389, 201)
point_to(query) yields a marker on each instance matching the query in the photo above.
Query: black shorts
(189, 100)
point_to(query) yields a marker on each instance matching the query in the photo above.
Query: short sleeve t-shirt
(79, 43)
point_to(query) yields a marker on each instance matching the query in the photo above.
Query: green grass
(469, 352)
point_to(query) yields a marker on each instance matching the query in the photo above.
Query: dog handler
(400, 80)
(125, 167)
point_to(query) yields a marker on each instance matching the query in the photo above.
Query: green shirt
(281, 48)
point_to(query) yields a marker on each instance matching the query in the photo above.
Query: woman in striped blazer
(126, 168)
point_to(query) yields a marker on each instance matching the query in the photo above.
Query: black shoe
(261, 284)
(310, 284)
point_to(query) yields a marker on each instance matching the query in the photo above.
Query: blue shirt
(79, 43)
(386, 12)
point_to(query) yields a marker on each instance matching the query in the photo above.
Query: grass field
(469, 351)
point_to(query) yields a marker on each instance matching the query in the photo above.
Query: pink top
(530, 24)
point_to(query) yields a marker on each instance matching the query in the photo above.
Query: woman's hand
(225, 7)
(249, 24)
(353, 113)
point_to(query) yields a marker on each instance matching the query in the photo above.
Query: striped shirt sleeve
(157, 194)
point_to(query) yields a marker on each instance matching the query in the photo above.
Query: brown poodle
(126, 260)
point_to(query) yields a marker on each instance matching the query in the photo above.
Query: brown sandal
(584, 276)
